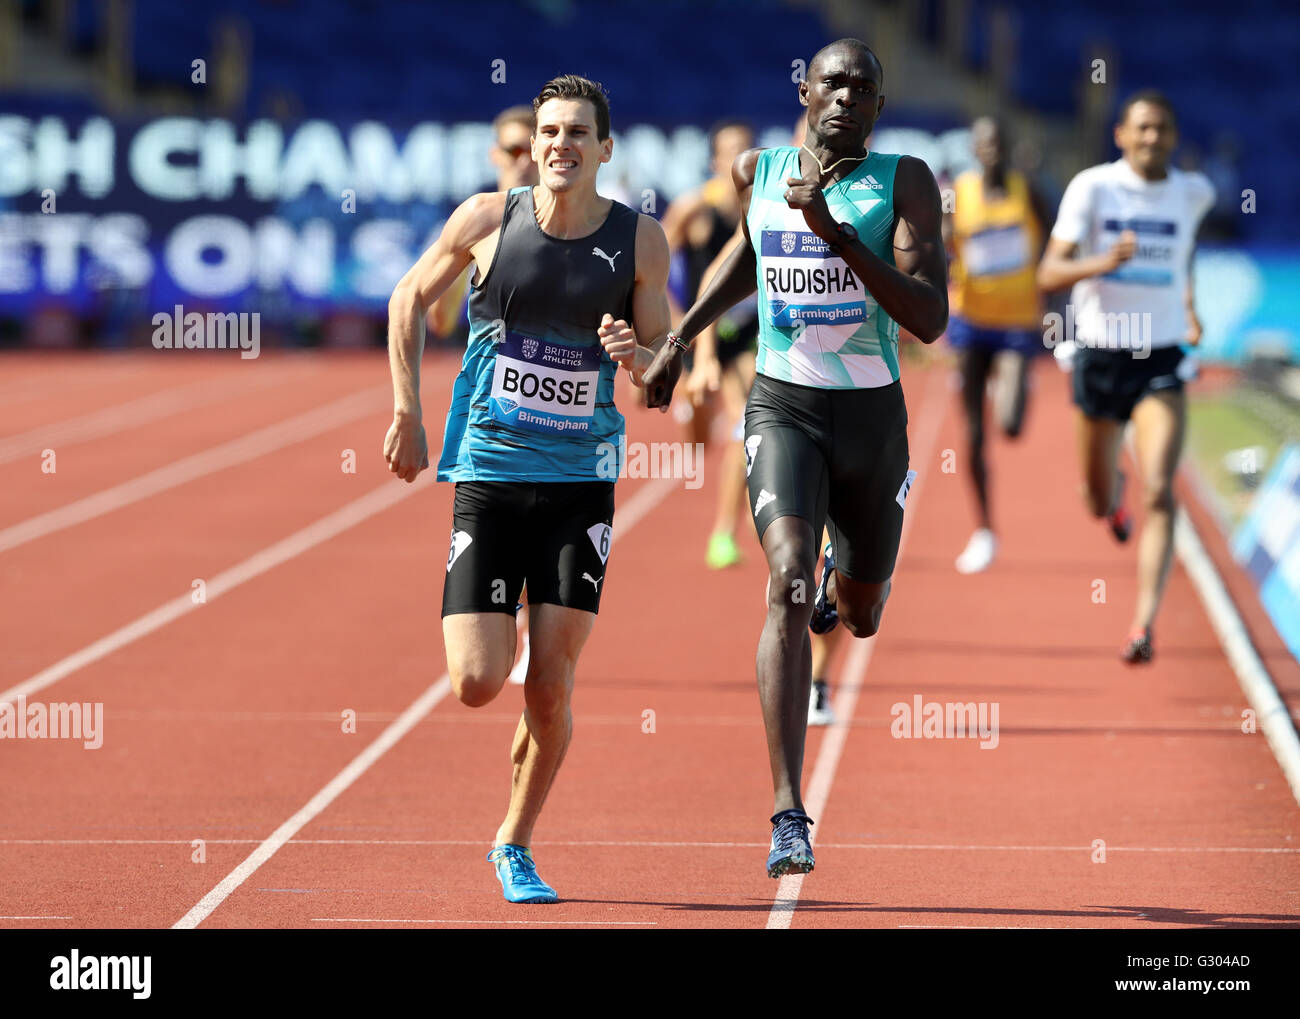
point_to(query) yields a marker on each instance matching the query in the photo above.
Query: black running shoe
(824, 616)
(1120, 519)
(791, 845)
(1137, 650)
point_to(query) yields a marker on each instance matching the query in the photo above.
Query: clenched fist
(661, 377)
(1123, 249)
(405, 447)
(618, 339)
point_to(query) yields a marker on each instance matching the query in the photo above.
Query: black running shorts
(556, 536)
(836, 457)
(1109, 383)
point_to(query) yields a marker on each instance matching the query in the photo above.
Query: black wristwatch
(844, 233)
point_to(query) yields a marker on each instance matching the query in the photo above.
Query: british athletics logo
(793, 244)
(545, 386)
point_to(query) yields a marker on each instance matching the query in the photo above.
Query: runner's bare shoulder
(475, 218)
(742, 170)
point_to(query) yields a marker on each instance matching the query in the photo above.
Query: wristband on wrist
(678, 342)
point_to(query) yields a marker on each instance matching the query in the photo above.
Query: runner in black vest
(533, 437)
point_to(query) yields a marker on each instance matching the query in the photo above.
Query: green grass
(1220, 423)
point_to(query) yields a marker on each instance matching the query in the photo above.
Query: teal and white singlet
(818, 325)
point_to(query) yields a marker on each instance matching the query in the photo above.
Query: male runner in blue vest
(844, 245)
(532, 436)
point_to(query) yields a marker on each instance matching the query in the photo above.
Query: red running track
(223, 720)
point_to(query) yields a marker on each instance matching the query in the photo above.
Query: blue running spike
(518, 875)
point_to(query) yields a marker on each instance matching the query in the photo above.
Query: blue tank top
(534, 400)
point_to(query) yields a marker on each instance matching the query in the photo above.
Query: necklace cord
(827, 169)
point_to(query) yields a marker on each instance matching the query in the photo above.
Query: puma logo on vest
(607, 258)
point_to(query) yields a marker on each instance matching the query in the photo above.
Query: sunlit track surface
(1113, 797)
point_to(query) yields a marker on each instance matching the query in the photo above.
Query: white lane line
(828, 757)
(35, 918)
(543, 923)
(255, 565)
(95, 371)
(973, 927)
(1272, 716)
(131, 414)
(644, 844)
(119, 842)
(497, 718)
(1062, 849)
(646, 499)
(229, 454)
(332, 789)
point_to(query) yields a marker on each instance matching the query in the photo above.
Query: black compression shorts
(836, 457)
(556, 536)
(1109, 383)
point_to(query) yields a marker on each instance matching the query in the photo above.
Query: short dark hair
(851, 44)
(515, 115)
(1148, 95)
(573, 86)
(725, 125)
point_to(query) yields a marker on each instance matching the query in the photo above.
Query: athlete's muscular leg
(1099, 445)
(785, 654)
(1012, 392)
(480, 651)
(1158, 422)
(975, 363)
(823, 650)
(824, 645)
(557, 635)
(859, 605)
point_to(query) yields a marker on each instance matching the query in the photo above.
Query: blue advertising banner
(1268, 544)
(137, 215)
(128, 216)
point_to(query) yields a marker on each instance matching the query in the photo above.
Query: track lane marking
(35, 918)
(1004, 927)
(541, 923)
(248, 447)
(638, 507)
(143, 410)
(349, 515)
(1031, 727)
(1274, 719)
(650, 844)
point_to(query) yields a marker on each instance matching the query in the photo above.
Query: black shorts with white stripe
(836, 457)
(555, 536)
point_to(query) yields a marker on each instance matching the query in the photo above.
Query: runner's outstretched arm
(1062, 266)
(707, 370)
(1193, 336)
(735, 280)
(406, 448)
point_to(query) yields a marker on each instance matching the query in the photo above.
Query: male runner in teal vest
(844, 246)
